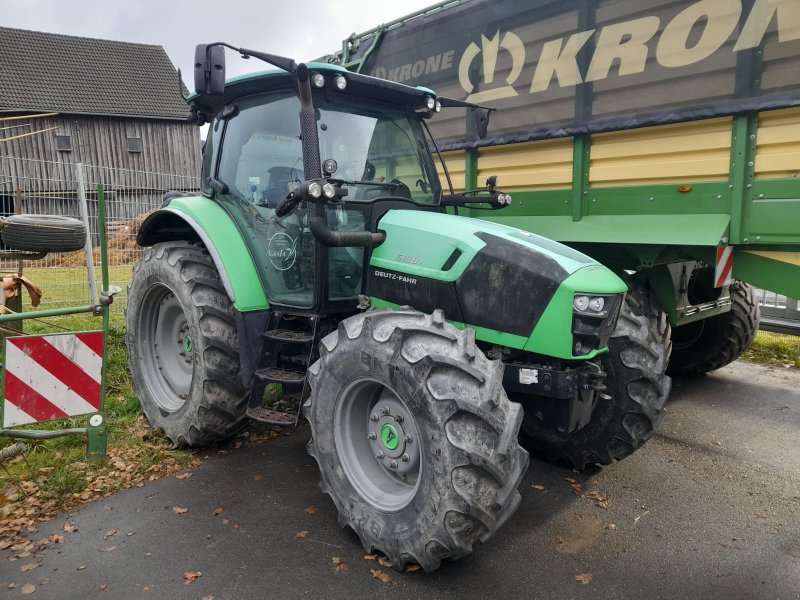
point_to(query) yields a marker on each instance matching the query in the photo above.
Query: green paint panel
(553, 333)
(230, 247)
(774, 220)
(766, 273)
(419, 243)
(703, 198)
(688, 230)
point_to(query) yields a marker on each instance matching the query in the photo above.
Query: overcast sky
(275, 26)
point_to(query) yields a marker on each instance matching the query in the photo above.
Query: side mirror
(481, 116)
(209, 69)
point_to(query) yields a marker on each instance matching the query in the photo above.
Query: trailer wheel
(635, 366)
(714, 342)
(415, 438)
(183, 349)
(43, 233)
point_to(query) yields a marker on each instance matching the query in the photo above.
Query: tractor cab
(373, 156)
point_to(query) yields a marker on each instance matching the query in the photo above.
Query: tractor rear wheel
(636, 384)
(183, 349)
(714, 342)
(415, 438)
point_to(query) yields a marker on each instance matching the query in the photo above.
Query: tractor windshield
(378, 151)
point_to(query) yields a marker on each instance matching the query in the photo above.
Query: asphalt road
(709, 508)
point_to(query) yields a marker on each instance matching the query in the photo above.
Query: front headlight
(594, 318)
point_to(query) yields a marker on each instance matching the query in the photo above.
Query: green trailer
(660, 138)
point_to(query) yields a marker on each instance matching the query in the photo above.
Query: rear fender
(200, 219)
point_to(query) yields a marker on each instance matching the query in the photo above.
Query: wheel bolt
(409, 439)
(405, 458)
(403, 476)
(372, 435)
(399, 418)
(385, 411)
(379, 455)
(393, 464)
(181, 353)
(373, 417)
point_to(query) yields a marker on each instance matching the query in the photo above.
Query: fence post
(84, 208)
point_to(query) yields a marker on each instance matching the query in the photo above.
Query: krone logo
(490, 48)
(281, 251)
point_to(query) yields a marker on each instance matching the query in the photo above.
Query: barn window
(134, 144)
(63, 143)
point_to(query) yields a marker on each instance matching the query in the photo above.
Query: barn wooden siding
(167, 146)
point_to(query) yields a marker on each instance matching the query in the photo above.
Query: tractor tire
(43, 233)
(712, 343)
(635, 367)
(414, 435)
(183, 348)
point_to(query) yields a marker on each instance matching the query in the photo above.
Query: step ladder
(290, 346)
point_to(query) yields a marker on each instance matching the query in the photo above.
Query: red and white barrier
(52, 376)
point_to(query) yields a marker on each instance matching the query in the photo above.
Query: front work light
(329, 190)
(314, 189)
(430, 103)
(340, 82)
(581, 303)
(317, 80)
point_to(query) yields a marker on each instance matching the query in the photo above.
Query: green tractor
(323, 256)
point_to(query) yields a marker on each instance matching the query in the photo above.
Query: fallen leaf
(636, 520)
(225, 521)
(577, 488)
(207, 598)
(183, 475)
(384, 562)
(570, 479)
(27, 588)
(148, 588)
(217, 511)
(130, 533)
(55, 538)
(102, 587)
(537, 486)
(191, 576)
(301, 535)
(258, 477)
(370, 557)
(12, 586)
(611, 526)
(559, 539)
(69, 528)
(110, 533)
(585, 579)
(342, 568)
(107, 548)
(179, 510)
(29, 567)
(412, 569)
(80, 567)
(311, 510)
(381, 576)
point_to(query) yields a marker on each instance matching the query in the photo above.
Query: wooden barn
(112, 105)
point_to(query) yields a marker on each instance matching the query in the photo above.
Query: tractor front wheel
(183, 350)
(415, 438)
(637, 389)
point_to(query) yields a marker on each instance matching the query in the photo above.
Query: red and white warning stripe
(723, 273)
(52, 376)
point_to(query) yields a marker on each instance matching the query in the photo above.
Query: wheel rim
(167, 348)
(378, 444)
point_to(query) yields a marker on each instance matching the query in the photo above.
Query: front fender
(197, 218)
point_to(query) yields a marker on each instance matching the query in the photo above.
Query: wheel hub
(392, 443)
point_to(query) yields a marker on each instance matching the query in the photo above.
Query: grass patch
(775, 349)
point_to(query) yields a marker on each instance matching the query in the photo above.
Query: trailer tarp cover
(567, 67)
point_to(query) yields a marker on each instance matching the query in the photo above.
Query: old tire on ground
(639, 350)
(183, 349)
(461, 460)
(714, 342)
(43, 233)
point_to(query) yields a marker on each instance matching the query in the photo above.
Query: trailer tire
(183, 348)
(712, 343)
(460, 456)
(635, 366)
(43, 233)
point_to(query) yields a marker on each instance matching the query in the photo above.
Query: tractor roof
(359, 85)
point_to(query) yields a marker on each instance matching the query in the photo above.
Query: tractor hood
(500, 280)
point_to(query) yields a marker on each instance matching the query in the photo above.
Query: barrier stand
(54, 376)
